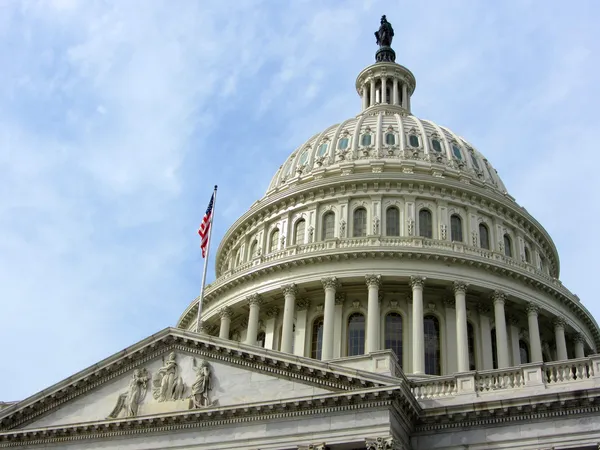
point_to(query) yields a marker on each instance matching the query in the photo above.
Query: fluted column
(254, 301)
(462, 337)
(579, 346)
(418, 338)
(330, 285)
(559, 336)
(384, 98)
(225, 314)
(404, 96)
(372, 99)
(373, 318)
(365, 97)
(501, 335)
(395, 99)
(287, 332)
(535, 343)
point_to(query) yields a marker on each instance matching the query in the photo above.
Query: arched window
(393, 334)
(360, 222)
(484, 236)
(425, 223)
(437, 146)
(474, 160)
(317, 338)
(303, 158)
(527, 255)
(274, 240)
(494, 349)
(253, 249)
(260, 339)
(328, 231)
(365, 140)
(392, 221)
(456, 232)
(456, 152)
(413, 140)
(507, 246)
(299, 232)
(431, 327)
(524, 351)
(322, 149)
(356, 334)
(471, 341)
(390, 139)
(343, 143)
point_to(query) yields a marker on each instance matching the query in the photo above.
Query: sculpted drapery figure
(167, 383)
(202, 386)
(130, 400)
(385, 34)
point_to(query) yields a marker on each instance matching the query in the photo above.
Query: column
(450, 310)
(418, 338)
(340, 297)
(384, 98)
(395, 99)
(270, 327)
(330, 285)
(225, 314)
(535, 343)
(254, 301)
(404, 96)
(513, 332)
(501, 334)
(486, 337)
(302, 328)
(462, 339)
(365, 97)
(373, 316)
(287, 332)
(372, 99)
(579, 346)
(559, 336)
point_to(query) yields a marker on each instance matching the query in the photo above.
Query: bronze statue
(385, 34)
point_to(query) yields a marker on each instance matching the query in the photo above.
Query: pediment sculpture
(201, 388)
(130, 400)
(167, 384)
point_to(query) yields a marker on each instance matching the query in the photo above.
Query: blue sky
(118, 117)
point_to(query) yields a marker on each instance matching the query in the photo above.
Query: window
(431, 327)
(524, 351)
(274, 240)
(356, 334)
(393, 334)
(365, 140)
(471, 341)
(456, 152)
(474, 160)
(360, 222)
(413, 140)
(303, 158)
(322, 149)
(260, 339)
(484, 237)
(343, 143)
(527, 255)
(494, 349)
(253, 249)
(390, 139)
(507, 246)
(437, 146)
(456, 232)
(392, 221)
(425, 224)
(317, 338)
(299, 232)
(328, 226)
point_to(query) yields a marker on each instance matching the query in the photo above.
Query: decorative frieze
(380, 443)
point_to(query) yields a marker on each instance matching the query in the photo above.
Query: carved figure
(385, 34)
(311, 232)
(130, 400)
(167, 383)
(202, 386)
(342, 228)
(376, 225)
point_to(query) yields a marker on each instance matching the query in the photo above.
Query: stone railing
(527, 378)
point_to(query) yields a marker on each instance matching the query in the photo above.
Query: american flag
(205, 226)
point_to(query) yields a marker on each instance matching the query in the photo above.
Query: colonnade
(331, 286)
(375, 91)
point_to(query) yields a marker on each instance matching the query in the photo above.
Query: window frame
(354, 343)
(460, 228)
(487, 236)
(324, 218)
(396, 222)
(421, 224)
(363, 229)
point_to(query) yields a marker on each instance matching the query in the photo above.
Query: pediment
(176, 371)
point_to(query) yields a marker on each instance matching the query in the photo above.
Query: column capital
(533, 309)
(303, 304)
(289, 289)
(499, 297)
(559, 322)
(272, 312)
(460, 287)
(226, 311)
(373, 280)
(254, 299)
(417, 281)
(330, 283)
(340, 298)
(578, 337)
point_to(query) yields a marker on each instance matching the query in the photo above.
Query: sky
(117, 117)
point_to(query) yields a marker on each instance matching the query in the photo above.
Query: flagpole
(210, 228)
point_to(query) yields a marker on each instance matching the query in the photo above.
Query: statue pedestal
(385, 54)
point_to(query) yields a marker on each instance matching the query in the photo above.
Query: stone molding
(289, 289)
(380, 443)
(483, 309)
(373, 280)
(449, 302)
(417, 282)
(460, 286)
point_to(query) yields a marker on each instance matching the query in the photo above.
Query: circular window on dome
(365, 140)
(343, 143)
(390, 139)
(457, 153)
(303, 158)
(437, 146)
(413, 140)
(322, 149)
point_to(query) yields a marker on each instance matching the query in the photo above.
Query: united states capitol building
(386, 292)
